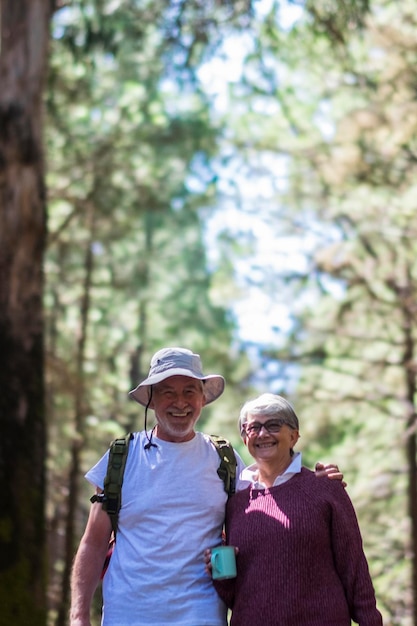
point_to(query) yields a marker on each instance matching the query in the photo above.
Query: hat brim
(213, 385)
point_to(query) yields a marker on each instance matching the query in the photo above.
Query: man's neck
(180, 438)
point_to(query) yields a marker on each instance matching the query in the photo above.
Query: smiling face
(177, 402)
(269, 439)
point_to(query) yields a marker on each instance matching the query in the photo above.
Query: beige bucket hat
(177, 362)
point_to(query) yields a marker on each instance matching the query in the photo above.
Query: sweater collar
(249, 476)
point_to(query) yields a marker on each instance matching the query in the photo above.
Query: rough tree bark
(409, 310)
(23, 63)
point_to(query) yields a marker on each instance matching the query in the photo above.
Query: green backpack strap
(113, 481)
(228, 463)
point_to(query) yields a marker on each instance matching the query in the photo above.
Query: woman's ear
(295, 436)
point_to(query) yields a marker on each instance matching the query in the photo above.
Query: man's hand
(330, 470)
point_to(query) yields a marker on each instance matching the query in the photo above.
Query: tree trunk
(23, 58)
(409, 316)
(412, 500)
(80, 414)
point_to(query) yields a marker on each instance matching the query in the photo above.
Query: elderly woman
(300, 558)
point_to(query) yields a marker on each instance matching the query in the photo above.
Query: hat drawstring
(149, 444)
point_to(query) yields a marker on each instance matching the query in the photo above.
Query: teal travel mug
(223, 562)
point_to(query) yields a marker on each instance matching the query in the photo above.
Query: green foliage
(122, 145)
(325, 110)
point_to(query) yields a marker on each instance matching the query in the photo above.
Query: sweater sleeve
(350, 560)
(226, 590)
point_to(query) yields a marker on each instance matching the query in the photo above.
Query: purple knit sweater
(301, 560)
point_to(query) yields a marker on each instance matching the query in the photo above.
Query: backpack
(111, 498)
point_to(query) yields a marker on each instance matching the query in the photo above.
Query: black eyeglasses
(271, 426)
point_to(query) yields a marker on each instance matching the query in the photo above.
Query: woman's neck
(268, 471)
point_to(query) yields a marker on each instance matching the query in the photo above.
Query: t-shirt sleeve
(97, 473)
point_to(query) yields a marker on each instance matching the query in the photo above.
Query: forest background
(167, 170)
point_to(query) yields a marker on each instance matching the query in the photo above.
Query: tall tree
(23, 65)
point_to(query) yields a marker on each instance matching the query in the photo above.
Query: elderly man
(173, 507)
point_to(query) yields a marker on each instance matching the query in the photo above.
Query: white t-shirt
(173, 505)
